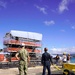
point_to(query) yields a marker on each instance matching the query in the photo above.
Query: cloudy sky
(54, 19)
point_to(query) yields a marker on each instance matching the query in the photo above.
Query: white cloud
(42, 9)
(3, 4)
(63, 6)
(61, 50)
(73, 27)
(49, 22)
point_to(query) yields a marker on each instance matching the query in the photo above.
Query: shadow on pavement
(47, 74)
(53, 73)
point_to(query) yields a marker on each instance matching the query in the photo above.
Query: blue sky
(54, 19)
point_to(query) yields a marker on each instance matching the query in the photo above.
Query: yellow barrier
(67, 68)
(57, 67)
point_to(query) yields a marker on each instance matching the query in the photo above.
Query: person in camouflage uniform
(23, 57)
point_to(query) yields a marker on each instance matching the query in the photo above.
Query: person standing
(68, 58)
(23, 57)
(46, 61)
(64, 58)
(57, 59)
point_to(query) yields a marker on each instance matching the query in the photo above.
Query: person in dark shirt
(46, 61)
(68, 58)
(57, 59)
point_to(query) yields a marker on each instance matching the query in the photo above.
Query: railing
(13, 59)
(11, 42)
(37, 51)
(10, 49)
(1, 57)
(29, 50)
(20, 42)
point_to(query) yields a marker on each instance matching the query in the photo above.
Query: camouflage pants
(23, 68)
